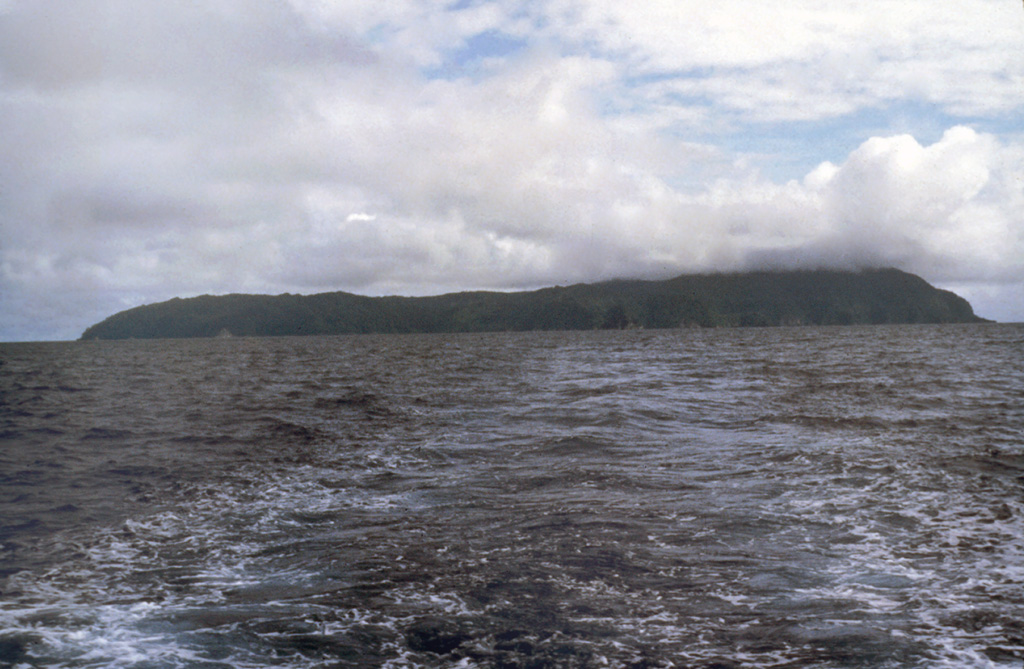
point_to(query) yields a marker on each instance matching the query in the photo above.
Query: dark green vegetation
(817, 297)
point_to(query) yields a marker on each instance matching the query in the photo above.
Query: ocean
(764, 497)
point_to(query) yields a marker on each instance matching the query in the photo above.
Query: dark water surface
(808, 497)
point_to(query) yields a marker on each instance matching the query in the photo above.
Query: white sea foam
(605, 500)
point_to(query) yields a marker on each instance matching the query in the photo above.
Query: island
(760, 298)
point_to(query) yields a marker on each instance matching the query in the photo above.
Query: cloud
(272, 146)
(950, 210)
(808, 59)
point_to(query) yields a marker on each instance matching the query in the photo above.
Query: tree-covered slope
(819, 297)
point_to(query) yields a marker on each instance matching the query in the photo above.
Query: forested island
(768, 298)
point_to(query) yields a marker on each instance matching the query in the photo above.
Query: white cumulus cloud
(154, 150)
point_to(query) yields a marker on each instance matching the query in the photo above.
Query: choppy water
(811, 497)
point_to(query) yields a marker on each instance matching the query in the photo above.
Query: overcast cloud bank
(164, 150)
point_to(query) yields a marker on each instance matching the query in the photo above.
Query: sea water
(804, 497)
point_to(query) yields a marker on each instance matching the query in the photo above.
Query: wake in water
(778, 498)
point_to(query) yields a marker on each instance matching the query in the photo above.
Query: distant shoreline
(765, 298)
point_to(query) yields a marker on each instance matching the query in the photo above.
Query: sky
(415, 147)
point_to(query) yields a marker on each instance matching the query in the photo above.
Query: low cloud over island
(416, 148)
